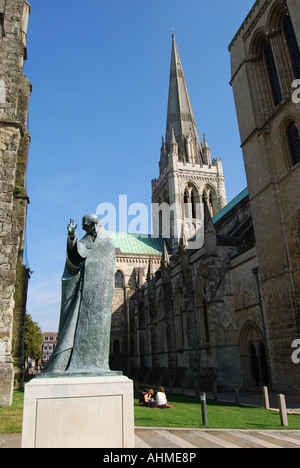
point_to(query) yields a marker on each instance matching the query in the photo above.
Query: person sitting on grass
(146, 398)
(161, 399)
(151, 399)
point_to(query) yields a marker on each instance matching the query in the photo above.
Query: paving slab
(193, 439)
(10, 440)
(218, 438)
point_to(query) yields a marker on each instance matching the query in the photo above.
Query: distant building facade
(48, 346)
(14, 144)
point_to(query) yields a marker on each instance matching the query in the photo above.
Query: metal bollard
(203, 407)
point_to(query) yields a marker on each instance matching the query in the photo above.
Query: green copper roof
(230, 205)
(137, 244)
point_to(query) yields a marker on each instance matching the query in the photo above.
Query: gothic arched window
(294, 142)
(273, 74)
(119, 280)
(160, 232)
(193, 201)
(186, 196)
(116, 347)
(292, 44)
(186, 203)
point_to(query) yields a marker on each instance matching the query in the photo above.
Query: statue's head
(89, 222)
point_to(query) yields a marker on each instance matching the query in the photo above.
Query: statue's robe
(86, 307)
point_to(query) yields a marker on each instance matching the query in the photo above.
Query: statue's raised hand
(71, 228)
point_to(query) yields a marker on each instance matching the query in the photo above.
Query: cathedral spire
(180, 113)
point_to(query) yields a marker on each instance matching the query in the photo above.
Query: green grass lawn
(186, 413)
(11, 418)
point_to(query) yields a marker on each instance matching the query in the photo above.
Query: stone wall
(14, 144)
(132, 268)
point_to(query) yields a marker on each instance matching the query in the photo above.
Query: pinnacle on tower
(165, 260)
(150, 274)
(173, 144)
(206, 152)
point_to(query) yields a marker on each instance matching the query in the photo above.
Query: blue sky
(100, 75)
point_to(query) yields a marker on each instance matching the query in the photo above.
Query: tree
(33, 340)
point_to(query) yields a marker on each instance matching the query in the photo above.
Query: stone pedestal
(78, 412)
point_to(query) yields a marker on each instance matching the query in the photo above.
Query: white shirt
(161, 398)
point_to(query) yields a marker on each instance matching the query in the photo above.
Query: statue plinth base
(78, 412)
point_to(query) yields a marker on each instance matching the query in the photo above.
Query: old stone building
(227, 311)
(191, 314)
(14, 144)
(265, 61)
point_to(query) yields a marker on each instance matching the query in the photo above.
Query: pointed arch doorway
(253, 356)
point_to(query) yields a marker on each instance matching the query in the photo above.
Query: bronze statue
(86, 303)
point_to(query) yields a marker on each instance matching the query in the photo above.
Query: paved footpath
(165, 438)
(218, 438)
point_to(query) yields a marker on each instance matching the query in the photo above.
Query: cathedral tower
(265, 57)
(187, 174)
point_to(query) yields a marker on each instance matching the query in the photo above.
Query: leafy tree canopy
(33, 339)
